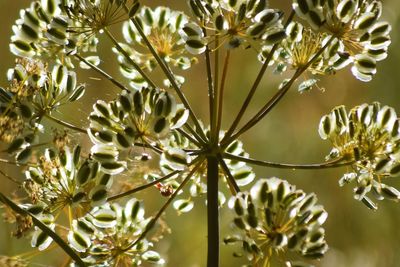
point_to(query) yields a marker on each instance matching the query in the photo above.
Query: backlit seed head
(275, 216)
(368, 135)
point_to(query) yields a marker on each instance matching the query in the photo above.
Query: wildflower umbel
(368, 135)
(244, 23)
(361, 39)
(275, 216)
(163, 28)
(107, 232)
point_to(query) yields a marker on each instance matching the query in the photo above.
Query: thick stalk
(212, 212)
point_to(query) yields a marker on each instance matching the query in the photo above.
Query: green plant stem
(214, 133)
(66, 124)
(6, 161)
(195, 134)
(188, 136)
(210, 81)
(325, 165)
(156, 149)
(221, 93)
(169, 75)
(10, 178)
(140, 188)
(277, 97)
(129, 59)
(255, 85)
(57, 239)
(231, 180)
(153, 221)
(102, 72)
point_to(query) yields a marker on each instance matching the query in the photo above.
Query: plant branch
(255, 85)
(66, 124)
(325, 165)
(277, 97)
(214, 134)
(102, 72)
(164, 207)
(221, 93)
(5, 161)
(57, 239)
(230, 179)
(188, 136)
(129, 59)
(140, 188)
(10, 178)
(211, 89)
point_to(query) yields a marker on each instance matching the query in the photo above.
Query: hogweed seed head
(361, 39)
(276, 216)
(369, 136)
(238, 23)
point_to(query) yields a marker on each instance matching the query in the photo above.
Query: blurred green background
(357, 236)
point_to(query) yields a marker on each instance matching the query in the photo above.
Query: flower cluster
(361, 39)
(106, 236)
(34, 92)
(237, 23)
(275, 216)
(66, 179)
(42, 32)
(369, 136)
(144, 116)
(63, 180)
(163, 28)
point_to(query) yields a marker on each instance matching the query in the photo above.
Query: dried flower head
(7, 261)
(11, 126)
(275, 217)
(369, 135)
(361, 39)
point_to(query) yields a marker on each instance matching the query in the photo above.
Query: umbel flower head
(45, 31)
(66, 179)
(276, 217)
(361, 39)
(163, 28)
(237, 23)
(33, 93)
(105, 236)
(144, 116)
(92, 16)
(368, 135)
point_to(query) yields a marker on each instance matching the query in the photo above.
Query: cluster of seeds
(368, 135)
(274, 215)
